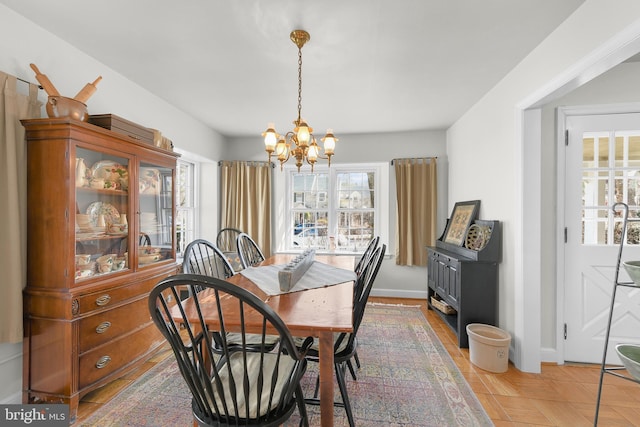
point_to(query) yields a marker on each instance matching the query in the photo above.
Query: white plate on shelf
(109, 211)
(113, 173)
(149, 181)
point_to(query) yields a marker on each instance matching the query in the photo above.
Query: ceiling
(370, 66)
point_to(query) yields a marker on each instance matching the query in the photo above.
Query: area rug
(407, 378)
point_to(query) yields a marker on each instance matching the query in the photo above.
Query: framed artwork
(461, 218)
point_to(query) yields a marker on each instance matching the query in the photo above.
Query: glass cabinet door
(101, 213)
(156, 213)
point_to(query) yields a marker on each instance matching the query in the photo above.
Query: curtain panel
(13, 209)
(416, 189)
(246, 200)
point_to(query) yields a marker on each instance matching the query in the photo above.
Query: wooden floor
(559, 396)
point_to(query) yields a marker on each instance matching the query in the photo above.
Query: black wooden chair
(240, 387)
(249, 251)
(359, 267)
(144, 239)
(226, 239)
(373, 244)
(226, 242)
(202, 257)
(345, 344)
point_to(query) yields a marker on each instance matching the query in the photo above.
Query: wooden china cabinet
(100, 236)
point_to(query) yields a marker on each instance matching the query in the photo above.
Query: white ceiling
(370, 66)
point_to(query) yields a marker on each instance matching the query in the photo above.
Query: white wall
(22, 43)
(495, 125)
(392, 280)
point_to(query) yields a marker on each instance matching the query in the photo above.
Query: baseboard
(397, 293)
(549, 355)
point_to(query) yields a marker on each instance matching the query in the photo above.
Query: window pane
(594, 226)
(606, 181)
(185, 205)
(355, 190)
(634, 149)
(603, 152)
(355, 229)
(310, 191)
(310, 230)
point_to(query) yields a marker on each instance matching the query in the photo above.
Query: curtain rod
(273, 165)
(28, 82)
(415, 158)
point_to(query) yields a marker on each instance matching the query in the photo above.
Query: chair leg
(357, 359)
(351, 370)
(340, 371)
(302, 408)
(317, 389)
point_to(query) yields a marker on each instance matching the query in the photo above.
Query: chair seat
(314, 350)
(252, 339)
(234, 260)
(286, 367)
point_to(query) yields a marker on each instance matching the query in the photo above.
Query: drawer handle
(103, 361)
(102, 327)
(103, 300)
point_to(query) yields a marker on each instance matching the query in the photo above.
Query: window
(335, 209)
(185, 205)
(610, 174)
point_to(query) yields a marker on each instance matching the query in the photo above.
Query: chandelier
(300, 143)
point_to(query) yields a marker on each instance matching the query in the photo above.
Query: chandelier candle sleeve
(299, 143)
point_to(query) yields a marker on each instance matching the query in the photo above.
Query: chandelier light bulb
(312, 152)
(282, 149)
(329, 141)
(270, 138)
(303, 133)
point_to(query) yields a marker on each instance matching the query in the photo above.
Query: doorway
(602, 167)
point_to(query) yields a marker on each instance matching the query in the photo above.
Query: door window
(610, 174)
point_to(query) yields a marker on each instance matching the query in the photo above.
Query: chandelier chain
(299, 82)
(300, 143)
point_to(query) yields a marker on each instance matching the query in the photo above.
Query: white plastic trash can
(488, 347)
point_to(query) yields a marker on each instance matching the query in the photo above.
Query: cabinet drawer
(108, 325)
(102, 361)
(114, 296)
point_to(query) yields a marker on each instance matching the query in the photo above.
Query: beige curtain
(246, 200)
(13, 202)
(416, 189)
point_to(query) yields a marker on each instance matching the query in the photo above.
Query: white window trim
(281, 200)
(186, 158)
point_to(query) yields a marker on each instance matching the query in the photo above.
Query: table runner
(318, 275)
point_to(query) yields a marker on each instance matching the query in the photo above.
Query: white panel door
(602, 168)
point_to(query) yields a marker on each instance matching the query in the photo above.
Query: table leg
(326, 378)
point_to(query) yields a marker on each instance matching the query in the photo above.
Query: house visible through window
(335, 209)
(185, 205)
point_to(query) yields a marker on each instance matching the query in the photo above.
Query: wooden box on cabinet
(123, 126)
(88, 273)
(467, 280)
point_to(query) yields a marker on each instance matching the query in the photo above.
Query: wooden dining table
(317, 312)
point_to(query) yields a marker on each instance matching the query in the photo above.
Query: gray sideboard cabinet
(466, 280)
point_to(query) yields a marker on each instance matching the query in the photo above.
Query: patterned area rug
(407, 379)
